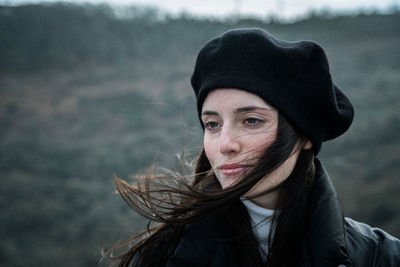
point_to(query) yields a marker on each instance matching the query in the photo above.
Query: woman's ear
(307, 144)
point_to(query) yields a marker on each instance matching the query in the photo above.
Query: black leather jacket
(330, 239)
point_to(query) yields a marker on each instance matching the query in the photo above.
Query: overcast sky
(262, 8)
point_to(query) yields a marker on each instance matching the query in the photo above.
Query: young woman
(259, 195)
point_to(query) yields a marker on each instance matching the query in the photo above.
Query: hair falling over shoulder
(173, 200)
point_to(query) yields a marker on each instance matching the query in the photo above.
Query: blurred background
(92, 90)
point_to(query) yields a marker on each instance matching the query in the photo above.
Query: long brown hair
(172, 201)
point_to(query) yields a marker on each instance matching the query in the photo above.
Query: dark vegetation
(86, 94)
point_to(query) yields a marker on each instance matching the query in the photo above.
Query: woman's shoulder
(201, 244)
(369, 246)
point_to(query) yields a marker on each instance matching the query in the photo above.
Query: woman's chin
(230, 181)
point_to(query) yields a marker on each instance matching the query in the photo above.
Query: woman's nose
(229, 142)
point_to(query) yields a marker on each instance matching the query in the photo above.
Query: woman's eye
(212, 125)
(252, 121)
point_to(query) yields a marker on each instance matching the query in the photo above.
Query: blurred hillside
(85, 95)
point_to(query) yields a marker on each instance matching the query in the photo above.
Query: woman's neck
(267, 201)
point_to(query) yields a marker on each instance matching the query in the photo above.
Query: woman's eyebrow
(250, 108)
(209, 112)
(238, 110)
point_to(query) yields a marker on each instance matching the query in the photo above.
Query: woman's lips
(232, 169)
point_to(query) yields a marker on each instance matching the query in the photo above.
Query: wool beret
(293, 77)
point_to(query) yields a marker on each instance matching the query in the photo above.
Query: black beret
(293, 77)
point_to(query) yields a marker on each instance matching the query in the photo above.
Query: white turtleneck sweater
(261, 219)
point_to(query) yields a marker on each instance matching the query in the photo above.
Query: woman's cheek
(210, 150)
(262, 142)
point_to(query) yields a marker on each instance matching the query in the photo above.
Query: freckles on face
(239, 126)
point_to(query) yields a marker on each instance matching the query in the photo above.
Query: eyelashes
(211, 125)
(251, 122)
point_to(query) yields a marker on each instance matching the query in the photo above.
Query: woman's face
(239, 127)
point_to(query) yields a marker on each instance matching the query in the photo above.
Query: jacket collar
(324, 242)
